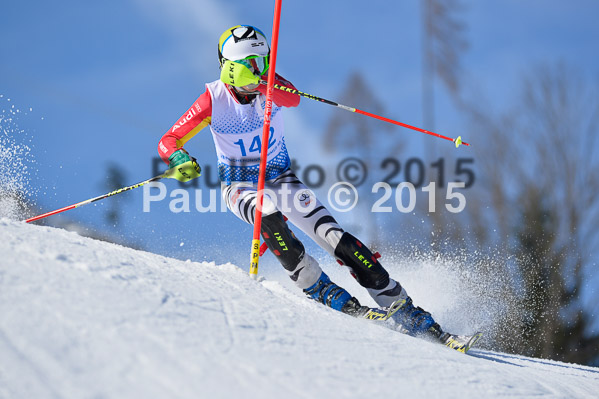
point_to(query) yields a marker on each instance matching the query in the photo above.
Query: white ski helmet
(244, 43)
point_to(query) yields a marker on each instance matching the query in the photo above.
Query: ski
(460, 343)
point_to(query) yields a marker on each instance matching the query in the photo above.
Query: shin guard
(301, 267)
(281, 241)
(364, 265)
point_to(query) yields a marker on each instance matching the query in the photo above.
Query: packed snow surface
(81, 318)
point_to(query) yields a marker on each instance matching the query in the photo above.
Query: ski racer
(235, 114)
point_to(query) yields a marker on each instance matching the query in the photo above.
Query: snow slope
(81, 318)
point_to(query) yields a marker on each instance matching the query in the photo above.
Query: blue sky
(106, 79)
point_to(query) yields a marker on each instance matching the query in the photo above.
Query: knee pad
(365, 267)
(281, 241)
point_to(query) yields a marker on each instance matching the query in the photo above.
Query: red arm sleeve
(280, 97)
(195, 119)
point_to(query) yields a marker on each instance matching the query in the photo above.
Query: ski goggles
(255, 63)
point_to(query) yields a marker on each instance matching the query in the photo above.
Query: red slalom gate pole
(255, 255)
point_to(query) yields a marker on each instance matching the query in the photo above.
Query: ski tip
(384, 313)
(395, 306)
(462, 343)
(473, 341)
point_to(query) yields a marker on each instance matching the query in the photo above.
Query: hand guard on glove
(183, 167)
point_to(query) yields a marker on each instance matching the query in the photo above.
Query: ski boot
(330, 294)
(333, 296)
(416, 321)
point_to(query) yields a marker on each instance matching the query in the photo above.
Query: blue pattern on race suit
(274, 167)
(231, 125)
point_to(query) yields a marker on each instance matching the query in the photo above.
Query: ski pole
(171, 173)
(255, 252)
(457, 141)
